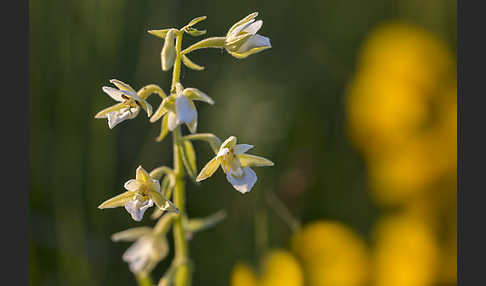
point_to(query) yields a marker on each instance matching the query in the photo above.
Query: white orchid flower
(145, 253)
(242, 39)
(180, 109)
(129, 105)
(150, 245)
(235, 164)
(142, 192)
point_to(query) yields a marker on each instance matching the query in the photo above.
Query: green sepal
(199, 224)
(209, 169)
(131, 234)
(213, 42)
(159, 33)
(248, 53)
(190, 64)
(157, 173)
(195, 32)
(122, 86)
(164, 129)
(167, 185)
(116, 107)
(253, 161)
(188, 156)
(195, 21)
(117, 201)
(162, 202)
(212, 140)
(196, 94)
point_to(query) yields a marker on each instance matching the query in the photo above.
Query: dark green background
(287, 101)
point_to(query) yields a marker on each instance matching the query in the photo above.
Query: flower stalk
(181, 247)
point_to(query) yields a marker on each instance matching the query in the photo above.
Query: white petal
(222, 152)
(138, 255)
(137, 208)
(133, 112)
(240, 28)
(245, 183)
(146, 205)
(241, 148)
(113, 93)
(230, 142)
(253, 27)
(185, 112)
(132, 185)
(116, 94)
(116, 117)
(172, 121)
(254, 41)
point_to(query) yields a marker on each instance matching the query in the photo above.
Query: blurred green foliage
(287, 101)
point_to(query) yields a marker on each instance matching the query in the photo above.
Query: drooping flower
(235, 164)
(242, 39)
(180, 109)
(150, 245)
(142, 192)
(129, 105)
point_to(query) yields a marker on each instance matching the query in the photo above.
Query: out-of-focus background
(355, 103)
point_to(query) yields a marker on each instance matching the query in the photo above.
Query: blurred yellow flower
(406, 53)
(402, 112)
(383, 112)
(331, 254)
(405, 253)
(243, 275)
(279, 267)
(402, 176)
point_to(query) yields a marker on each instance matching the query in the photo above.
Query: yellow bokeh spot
(279, 267)
(405, 254)
(332, 254)
(243, 275)
(402, 175)
(383, 112)
(406, 53)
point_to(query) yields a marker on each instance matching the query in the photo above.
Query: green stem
(176, 71)
(181, 251)
(282, 211)
(143, 280)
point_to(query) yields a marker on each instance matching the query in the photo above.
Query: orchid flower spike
(142, 192)
(242, 39)
(235, 164)
(179, 108)
(129, 105)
